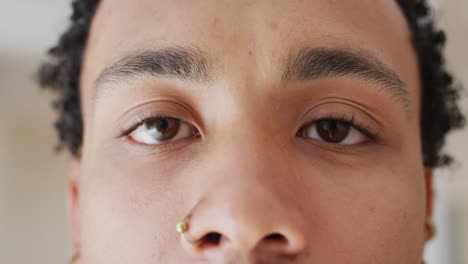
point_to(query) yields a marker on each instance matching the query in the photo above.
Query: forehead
(248, 37)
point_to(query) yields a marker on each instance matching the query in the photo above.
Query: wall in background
(33, 218)
(452, 183)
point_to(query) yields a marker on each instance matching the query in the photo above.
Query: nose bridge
(251, 162)
(247, 174)
(250, 139)
(251, 167)
(247, 201)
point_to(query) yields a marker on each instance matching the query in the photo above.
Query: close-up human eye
(334, 131)
(157, 130)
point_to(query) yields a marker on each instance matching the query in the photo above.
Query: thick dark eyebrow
(320, 63)
(185, 63)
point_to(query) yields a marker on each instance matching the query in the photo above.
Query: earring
(432, 231)
(431, 228)
(74, 259)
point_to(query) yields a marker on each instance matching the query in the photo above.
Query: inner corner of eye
(303, 129)
(127, 132)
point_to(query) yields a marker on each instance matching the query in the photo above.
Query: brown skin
(248, 175)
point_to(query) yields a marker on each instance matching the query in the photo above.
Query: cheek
(123, 219)
(368, 212)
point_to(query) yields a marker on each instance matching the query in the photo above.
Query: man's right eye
(157, 130)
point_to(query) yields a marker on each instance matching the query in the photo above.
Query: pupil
(163, 124)
(333, 131)
(166, 128)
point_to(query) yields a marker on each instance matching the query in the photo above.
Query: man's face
(289, 130)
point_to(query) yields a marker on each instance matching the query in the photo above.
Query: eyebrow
(321, 63)
(185, 63)
(191, 64)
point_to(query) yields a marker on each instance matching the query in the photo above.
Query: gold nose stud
(74, 259)
(182, 228)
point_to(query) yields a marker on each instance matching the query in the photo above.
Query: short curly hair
(440, 93)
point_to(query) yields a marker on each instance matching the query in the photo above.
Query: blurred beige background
(33, 217)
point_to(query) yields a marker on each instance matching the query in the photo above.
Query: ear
(73, 173)
(429, 176)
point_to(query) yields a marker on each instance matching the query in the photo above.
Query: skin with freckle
(268, 193)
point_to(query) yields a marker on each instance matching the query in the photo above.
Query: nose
(248, 216)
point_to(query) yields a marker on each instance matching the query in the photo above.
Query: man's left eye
(162, 129)
(334, 132)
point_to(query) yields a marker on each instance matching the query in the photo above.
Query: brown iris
(166, 127)
(333, 131)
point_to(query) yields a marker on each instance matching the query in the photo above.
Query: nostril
(211, 239)
(276, 237)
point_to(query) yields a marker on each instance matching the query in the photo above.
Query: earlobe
(73, 175)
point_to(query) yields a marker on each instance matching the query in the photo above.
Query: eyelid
(142, 119)
(162, 147)
(154, 109)
(350, 119)
(360, 120)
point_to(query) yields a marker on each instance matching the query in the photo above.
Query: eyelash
(141, 120)
(372, 136)
(350, 119)
(146, 118)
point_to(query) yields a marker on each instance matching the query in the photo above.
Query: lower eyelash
(163, 147)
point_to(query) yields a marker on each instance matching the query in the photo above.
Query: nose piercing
(182, 228)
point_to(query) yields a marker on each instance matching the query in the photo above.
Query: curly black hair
(440, 93)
